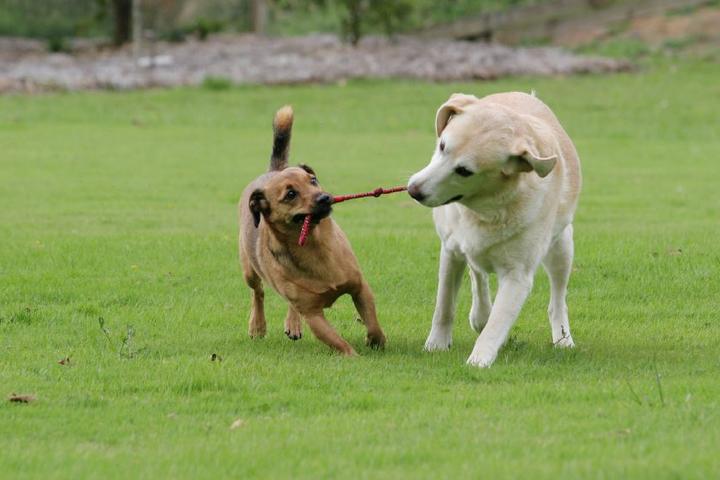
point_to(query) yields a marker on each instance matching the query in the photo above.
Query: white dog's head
(481, 146)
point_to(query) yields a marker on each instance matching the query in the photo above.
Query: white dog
(503, 182)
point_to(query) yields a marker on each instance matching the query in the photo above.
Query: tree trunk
(122, 21)
(354, 21)
(259, 16)
(136, 29)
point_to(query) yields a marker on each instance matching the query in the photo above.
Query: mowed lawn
(122, 207)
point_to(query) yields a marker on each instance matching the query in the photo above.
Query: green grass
(619, 48)
(123, 206)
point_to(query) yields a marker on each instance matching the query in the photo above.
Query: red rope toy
(305, 230)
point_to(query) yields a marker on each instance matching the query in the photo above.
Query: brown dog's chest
(311, 277)
(307, 293)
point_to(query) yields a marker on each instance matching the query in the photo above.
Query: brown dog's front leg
(256, 325)
(365, 305)
(324, 331)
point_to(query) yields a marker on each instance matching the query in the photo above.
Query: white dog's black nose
(415, 192)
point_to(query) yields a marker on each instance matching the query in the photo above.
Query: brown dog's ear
(454, 105)
(258, 205)
(534, 149)
(307, 168)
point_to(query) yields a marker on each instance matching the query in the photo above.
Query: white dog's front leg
(513, 289)
(481, 303)
(449, 279)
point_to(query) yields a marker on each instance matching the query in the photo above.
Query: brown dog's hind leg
(324, 331)
(365, 305)
(256, 325)
(293, 324)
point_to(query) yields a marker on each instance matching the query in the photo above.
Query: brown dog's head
(287, 197)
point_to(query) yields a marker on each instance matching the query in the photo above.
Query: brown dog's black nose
(323, 199)
(415, 192)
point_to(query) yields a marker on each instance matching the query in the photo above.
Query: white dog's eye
(463, 172)
(442, 145)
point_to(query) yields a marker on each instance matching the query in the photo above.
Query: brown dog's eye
(290, 195)
(442, 145)
(313, 181)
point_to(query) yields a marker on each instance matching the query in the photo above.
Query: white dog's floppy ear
(453, 106)
(535, 149)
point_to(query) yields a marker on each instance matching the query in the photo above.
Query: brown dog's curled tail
(282, 128)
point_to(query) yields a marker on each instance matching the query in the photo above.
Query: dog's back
(530, 104)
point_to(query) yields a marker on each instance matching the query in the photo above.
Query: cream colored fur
(503, 183)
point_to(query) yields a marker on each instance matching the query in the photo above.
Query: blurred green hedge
(56, 20)
(53, 18)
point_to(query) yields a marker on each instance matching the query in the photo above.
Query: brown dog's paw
(293, 325)
(293, 335)
(256, 332)
(349, 352)
(376, 341)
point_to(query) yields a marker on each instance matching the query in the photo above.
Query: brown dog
(312, 277)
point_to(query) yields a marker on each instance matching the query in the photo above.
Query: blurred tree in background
(389, 14)
(356, 17)
(59, 20)
(122, 11)
(52, 20)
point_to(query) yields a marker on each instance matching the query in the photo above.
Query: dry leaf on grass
(237, 424)
(22, 398)
(65, 361)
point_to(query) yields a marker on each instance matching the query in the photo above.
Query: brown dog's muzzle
(323, 206)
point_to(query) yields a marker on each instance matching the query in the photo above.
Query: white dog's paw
(564, 342)
(481, 358)
(438, 341)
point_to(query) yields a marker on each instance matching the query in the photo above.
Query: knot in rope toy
(305, 230)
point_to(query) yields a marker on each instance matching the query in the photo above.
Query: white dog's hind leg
(558, 264)
(513, 289)
(481, 303)
(449, 278)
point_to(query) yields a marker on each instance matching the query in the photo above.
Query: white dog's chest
(487, 246)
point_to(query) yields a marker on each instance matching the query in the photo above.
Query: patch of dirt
(703, 23)
(248, 59)
(690, 28)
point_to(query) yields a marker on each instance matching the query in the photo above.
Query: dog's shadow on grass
(514, 352)
(401, 349)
